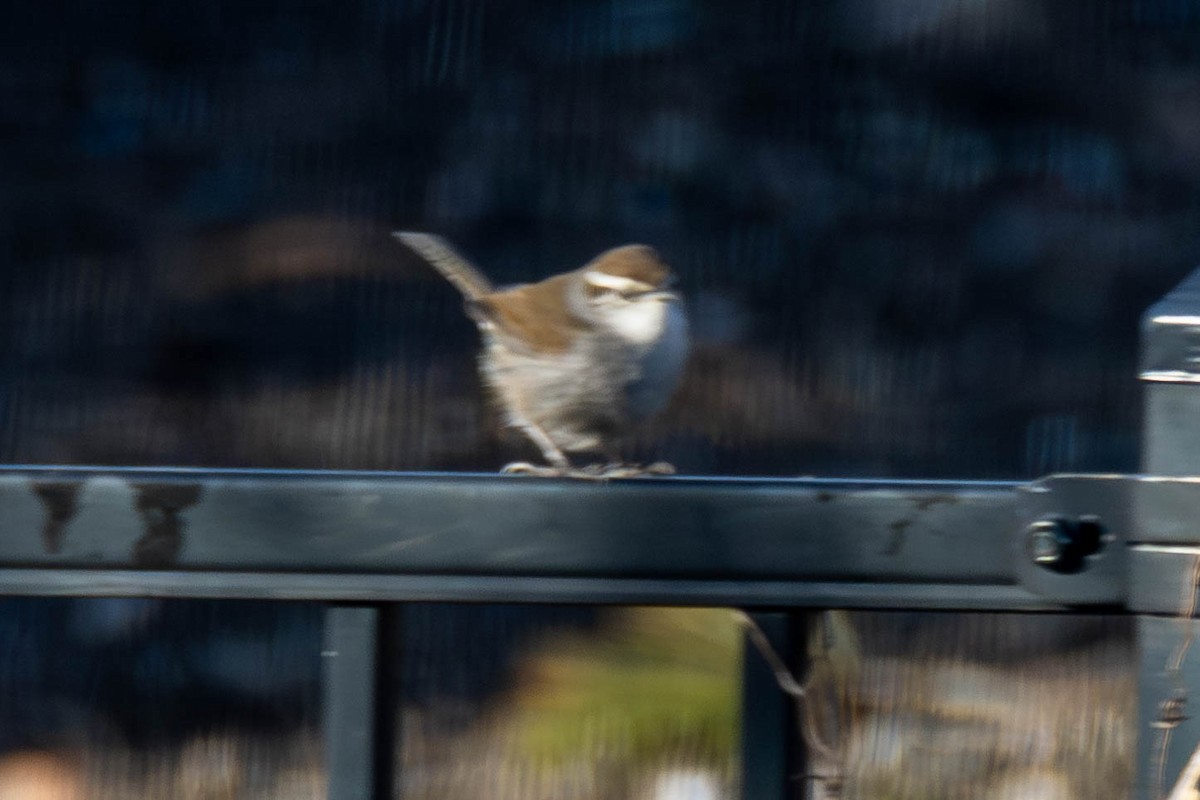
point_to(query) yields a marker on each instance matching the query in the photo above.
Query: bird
(578, 359)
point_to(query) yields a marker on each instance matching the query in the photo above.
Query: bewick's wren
(578, 358)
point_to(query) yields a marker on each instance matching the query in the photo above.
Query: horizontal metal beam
(357, 587)
(372, 536)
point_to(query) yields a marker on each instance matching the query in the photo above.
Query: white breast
(662, 364)
(640, 322)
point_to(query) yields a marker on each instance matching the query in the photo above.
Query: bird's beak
(664, 296)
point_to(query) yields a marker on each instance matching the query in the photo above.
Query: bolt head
(1047, 543)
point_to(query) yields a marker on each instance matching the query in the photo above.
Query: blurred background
(915, 237)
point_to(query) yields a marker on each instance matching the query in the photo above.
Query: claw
(539, 471)
(592, 472)
(618, 470)
(525, 468)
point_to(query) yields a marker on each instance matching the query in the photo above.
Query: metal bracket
(1071, 547)
(1124, 540)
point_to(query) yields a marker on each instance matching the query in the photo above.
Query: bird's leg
(559, 465)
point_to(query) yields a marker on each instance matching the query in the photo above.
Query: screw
(1064, 545)
(1047, 542)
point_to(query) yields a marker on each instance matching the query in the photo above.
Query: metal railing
(362, 541)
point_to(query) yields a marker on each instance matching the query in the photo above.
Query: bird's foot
(537, 470)
(551, 471)
(623, 470)
(592, 472)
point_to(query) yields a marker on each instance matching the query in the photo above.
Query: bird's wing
(453, 267)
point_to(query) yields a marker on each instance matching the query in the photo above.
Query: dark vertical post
(1169, 662)
(357, 718)
(387, 705)
(774, 766)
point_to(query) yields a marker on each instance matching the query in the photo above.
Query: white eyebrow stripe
(615, 282)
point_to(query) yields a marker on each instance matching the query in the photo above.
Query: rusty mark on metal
(159, 505)
(928, 502)
(898, 528)
(61, 501)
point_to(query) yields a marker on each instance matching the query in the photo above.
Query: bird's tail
(453, 267)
